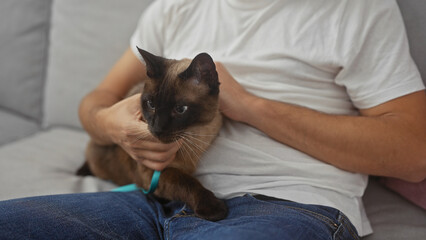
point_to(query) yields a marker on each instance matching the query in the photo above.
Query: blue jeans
(133, 215)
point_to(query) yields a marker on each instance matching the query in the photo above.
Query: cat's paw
(211, 208)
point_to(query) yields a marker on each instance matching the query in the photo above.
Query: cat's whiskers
(198, 140)
(190, 137)
(196, 149)
(141, 137)
(187, 148)
(209, 144)
(184, 151)
(199, 135)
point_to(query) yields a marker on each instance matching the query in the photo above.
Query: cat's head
(178, 94)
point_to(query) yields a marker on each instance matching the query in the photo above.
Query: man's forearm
(381, 145)
(89, 109)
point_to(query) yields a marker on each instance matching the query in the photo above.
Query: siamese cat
(179, 101)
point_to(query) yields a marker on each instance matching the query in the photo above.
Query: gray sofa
(52, 53)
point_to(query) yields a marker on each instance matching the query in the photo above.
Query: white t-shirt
(334, 56)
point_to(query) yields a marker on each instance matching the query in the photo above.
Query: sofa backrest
(86, 39)
(413, 12)
(24, 27)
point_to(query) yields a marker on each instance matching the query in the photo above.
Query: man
(318, 94)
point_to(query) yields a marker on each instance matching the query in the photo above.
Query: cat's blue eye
(150, 104)
(181, 109)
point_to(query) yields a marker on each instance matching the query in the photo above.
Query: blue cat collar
(133, 187)
(154, 182)
(126, 188)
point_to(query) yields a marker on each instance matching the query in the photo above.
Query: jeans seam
(320, 217)
(344, 220)
(180, 214)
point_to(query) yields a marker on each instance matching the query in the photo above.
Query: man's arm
(110, 119)
(387, 140)
(124, 74)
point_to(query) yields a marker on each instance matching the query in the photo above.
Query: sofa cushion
(13, 127)
(87, 38)
(45, 163)
(24, 28)
(413, 12)
(414, 192)
(391, 216)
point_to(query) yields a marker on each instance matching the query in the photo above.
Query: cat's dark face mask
(178, 95)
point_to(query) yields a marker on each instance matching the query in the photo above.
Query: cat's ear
(154, 64)
(203, 69)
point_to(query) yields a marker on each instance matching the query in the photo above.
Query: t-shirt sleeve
(378, 66)
(149, 31)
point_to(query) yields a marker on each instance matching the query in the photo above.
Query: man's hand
(232, 96)
(122, 123)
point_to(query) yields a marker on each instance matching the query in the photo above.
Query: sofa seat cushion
(414, 192)
(13, 127)
(391, 216)
(45, 163)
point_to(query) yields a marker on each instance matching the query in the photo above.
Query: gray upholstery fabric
(47, 165)
(24, 28)
(87, 38)
(13, 127)
(391, 216)
(413, 12)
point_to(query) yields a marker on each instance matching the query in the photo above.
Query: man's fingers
(133, 102)
(154, 156)
(156, 165)
(155, 146)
